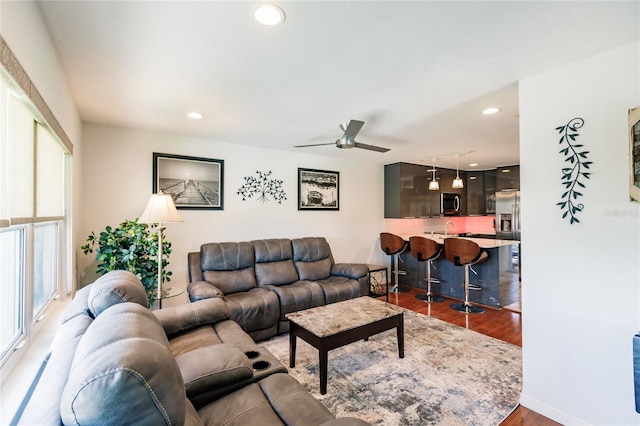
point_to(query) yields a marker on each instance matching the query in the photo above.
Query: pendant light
(457, 182)
(433, 183)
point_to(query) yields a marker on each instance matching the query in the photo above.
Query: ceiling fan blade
(352, 129)
(314, 144)
(371, 147)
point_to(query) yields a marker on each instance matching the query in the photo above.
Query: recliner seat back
(274, 262)
(229, 266)
(312, 257)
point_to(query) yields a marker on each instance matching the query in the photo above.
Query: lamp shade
(160, 209)
(457, 183)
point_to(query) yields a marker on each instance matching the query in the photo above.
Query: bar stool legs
(466, 307)
(429, 297)
(395, 271)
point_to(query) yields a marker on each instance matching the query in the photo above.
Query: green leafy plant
(131, 246)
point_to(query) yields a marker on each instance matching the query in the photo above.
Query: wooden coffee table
(332, 326)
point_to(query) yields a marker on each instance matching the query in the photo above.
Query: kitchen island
(448, 279)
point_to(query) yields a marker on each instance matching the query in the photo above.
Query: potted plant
(131, 246)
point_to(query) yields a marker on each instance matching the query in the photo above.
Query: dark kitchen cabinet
(508, 177)
(490, 191)
(476, 198)
(406, 192)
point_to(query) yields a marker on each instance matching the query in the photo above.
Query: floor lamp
(160, 209)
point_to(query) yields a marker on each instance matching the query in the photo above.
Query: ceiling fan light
(457, 183)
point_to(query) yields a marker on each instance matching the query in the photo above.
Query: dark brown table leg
(292, 346)
(400, 332)
(323, 371)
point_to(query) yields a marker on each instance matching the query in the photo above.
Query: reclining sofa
(261, 281)
(115, 362)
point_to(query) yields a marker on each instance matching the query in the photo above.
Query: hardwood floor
(500, 324)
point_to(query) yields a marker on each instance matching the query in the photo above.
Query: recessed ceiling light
(269, 14)
(195, 115)
(473, 164)
(490, 111)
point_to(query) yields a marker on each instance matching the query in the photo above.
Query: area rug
(449, 375)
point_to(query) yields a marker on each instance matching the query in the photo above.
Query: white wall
(581, 282)
(118, 182)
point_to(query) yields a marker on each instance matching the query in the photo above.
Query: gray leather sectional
(115, 362)
(263, 280)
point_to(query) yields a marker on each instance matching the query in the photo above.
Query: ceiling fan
(348, 138)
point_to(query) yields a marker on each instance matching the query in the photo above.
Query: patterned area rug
(449, 376)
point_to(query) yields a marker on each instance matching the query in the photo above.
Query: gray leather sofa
(263, 280)
(115, 362)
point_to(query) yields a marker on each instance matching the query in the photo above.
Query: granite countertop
(482, 242)
(337, 317)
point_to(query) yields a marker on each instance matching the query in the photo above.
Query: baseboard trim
(549, 411)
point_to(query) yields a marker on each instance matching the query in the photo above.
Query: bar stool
(465, 253)
(426, 250)
(393, 245)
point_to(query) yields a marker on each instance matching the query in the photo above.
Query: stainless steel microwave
(450, 204)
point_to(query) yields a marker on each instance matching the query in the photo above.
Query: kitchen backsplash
(461, 225)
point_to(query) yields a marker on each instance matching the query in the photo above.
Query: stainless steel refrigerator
(508, 215)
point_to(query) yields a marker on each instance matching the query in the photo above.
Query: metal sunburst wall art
(574, 173)
(263, 187)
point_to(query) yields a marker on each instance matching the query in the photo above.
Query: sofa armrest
(199, 290)
(350, 270)
(191, 315)
(213, 367)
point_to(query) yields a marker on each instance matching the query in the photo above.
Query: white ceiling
(418, 73)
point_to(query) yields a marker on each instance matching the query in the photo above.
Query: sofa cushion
(337, 289)
(276, 400)
(115, 287)
(274, 262)
(298, 296)
(123, 369)
(255, 309)
(312, 257)
(222, 332)
(228, 266)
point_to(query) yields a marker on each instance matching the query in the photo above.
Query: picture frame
(318, 189)
(192, 182)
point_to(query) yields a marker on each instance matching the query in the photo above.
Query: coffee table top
(337, 317)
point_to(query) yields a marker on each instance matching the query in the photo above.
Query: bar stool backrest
(391, 243)
(424, 249)
(460, 251)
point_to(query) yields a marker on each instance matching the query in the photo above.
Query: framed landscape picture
(318, 189)
(192, 182)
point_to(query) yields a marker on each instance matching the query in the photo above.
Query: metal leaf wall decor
(575, 171)
(263, 187)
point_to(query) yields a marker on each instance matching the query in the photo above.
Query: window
(33, 200)
(11, 296)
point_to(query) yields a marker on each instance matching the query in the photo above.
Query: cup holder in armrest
(252, 354)
(261, 365)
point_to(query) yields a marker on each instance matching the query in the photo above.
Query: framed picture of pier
(192, 182)
(318, 189)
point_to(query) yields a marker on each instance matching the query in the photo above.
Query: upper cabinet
(476, 199)
(508, 177)
(407, 194)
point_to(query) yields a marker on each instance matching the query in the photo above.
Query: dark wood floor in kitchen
(501, 324)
